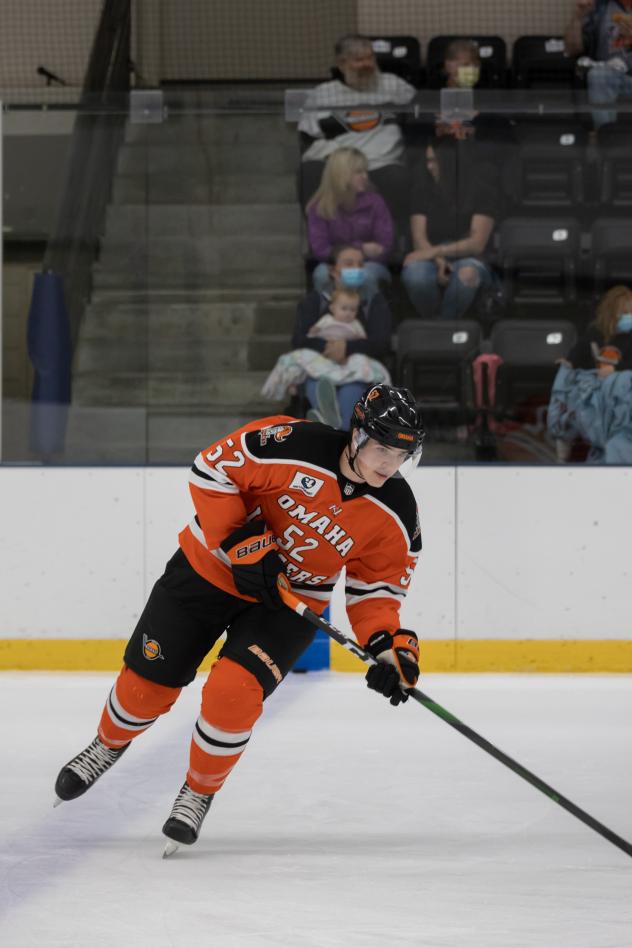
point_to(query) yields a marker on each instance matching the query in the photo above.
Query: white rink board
(540, 552)
(544, 553)
(71, 552)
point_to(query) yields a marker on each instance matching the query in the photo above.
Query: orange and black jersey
(287, 473)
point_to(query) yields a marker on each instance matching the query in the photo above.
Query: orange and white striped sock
(133, 705)
(232, 701)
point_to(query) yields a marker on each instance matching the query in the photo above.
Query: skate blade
(170, 849)
(57, 801)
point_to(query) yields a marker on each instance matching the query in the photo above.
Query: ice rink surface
(346, 823)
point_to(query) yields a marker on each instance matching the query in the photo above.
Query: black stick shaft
(300, 607)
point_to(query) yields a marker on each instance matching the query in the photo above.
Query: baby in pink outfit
(341, 322)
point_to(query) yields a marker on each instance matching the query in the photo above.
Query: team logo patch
(152, 649)
(278, 432)
(348, 489)
(307, 484)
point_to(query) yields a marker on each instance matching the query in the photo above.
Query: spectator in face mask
(346, 270)
(462, 64)
(346, 209)
(607, 343)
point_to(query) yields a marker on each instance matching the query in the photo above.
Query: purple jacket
(370, 220)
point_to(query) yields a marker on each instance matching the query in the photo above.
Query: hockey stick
(293, 602)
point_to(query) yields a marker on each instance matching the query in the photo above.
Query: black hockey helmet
(390, 416)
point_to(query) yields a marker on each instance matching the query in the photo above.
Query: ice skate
(186, 818)
(82, 771)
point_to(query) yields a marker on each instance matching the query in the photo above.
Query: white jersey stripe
(212, 485)
(353, 600)
(359, 585)
(197, 532)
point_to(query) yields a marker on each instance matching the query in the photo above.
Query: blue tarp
(50, 351)
(597, 410)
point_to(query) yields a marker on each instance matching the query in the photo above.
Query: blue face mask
(353, 277)
(625, 323)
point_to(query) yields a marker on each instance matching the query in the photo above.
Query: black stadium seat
(529, 349)
(539, 62)
(612, 252)
(539, 258)
(400, 55)
(615, 165)
(434, 358)
(493, 53)
(551, 163)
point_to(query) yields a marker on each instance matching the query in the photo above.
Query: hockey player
(279, 495)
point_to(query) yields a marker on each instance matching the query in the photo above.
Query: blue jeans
(467, 276)
(348, 395)
(374, 272)
(604, 88)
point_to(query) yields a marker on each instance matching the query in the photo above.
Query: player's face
(377, 462)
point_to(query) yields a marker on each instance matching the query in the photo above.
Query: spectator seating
(539, 62)
(615, 165)
(539, 258)
(550, 170)
(611, 252)
(529, 349)
(400, 55)
(433, 360)
(493, 53)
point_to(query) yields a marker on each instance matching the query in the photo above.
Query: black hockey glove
(397, 663)
(252, 551)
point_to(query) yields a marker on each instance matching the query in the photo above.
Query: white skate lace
(191, 807)
(93, 761)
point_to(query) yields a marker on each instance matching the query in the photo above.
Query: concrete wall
(285, 39)
(427, 18)
(238, 39)
(57, 35)
(511, 556)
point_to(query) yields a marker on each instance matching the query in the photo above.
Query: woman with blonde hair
(607, 343)
(347, 210)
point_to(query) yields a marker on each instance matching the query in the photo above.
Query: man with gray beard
(347, 112)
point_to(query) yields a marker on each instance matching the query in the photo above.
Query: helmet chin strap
(352, 461)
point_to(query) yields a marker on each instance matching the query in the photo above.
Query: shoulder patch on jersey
(305, 443)
(278, 432)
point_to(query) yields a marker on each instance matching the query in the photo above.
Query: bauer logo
(307, 484)
(152, 649)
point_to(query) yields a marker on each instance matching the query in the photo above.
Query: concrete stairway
(195, 288)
